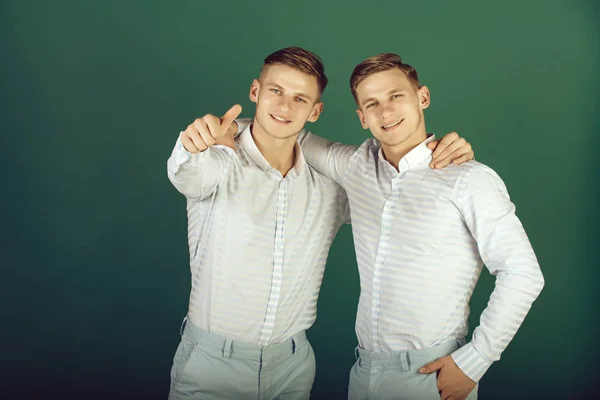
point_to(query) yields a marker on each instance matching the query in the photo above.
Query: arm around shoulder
(327, 157)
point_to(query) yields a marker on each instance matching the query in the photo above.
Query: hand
(451, 149)
(452, 383)
(210, 130)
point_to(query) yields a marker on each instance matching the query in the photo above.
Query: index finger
(444, 143)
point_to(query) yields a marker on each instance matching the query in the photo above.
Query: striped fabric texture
(422, 237)
(258, 241)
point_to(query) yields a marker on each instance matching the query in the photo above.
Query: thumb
(432, 366)
(229, 116)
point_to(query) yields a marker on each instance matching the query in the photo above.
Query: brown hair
(300, 59)
(379, 63)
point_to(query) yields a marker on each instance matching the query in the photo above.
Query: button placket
(382, 250)
(278, 254)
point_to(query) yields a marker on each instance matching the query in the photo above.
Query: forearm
(507, 253)
(509, 303)
(198, 175)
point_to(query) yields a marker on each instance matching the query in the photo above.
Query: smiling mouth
(279, 119)
(392, 125)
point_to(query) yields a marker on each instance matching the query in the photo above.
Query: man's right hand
(210, 130)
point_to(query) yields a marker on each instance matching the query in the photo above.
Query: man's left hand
(450, 149)
(452, 383)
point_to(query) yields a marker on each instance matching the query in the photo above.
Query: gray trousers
(211, 366)
(395, 375)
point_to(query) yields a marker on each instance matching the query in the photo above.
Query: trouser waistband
(407, 358)
(231, 348)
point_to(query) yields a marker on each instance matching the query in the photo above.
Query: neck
(394, 153)
(279, 153)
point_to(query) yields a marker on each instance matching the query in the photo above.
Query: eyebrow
(398, 90)
(299, 94)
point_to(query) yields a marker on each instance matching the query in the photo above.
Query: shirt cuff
(470, 361)
(183, 156)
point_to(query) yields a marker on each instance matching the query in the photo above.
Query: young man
(422, 237)
(260, 225)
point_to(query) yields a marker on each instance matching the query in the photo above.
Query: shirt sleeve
(198, 175)
(242, 124)
(507, 253)
(327, 157)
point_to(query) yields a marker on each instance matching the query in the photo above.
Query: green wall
(93, 249)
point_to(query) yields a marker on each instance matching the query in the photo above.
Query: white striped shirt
(422, 236)
(258, 241)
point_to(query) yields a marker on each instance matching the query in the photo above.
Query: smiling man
(260, 225)
(422, 237)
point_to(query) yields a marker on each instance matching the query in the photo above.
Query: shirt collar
(249, 145)
(413, 158)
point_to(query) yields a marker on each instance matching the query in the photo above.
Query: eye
(397, 95)
(300, 100)
(370, 105)
(276, 91)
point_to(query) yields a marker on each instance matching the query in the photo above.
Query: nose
(284, 104)
(386, 111)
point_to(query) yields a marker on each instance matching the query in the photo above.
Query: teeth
(390, 125)
(279, 118)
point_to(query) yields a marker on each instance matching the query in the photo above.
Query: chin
(279, 133)
(393, 140)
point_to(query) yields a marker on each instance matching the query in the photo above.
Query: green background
(93, 250)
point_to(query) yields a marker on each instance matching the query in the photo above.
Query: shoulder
(465, 171)
(371, 144)
(474, 172)
(479, 181)
(368, 149)
(466, 177)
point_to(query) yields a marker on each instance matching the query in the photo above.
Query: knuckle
(190, 134)
(209, 119)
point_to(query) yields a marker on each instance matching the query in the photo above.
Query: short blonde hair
(300, 59)
(379, 63)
